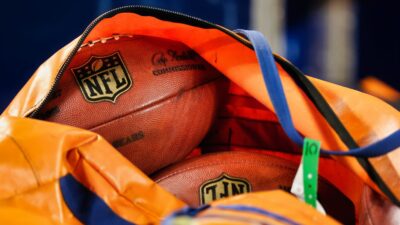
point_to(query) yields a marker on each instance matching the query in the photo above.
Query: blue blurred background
(337, 40)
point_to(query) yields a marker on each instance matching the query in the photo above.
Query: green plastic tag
(311, 149)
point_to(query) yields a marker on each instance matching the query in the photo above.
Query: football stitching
(154, 103)
(103, 40)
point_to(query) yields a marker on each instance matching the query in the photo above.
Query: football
(376, 209)
(200, 180)
(153, 99)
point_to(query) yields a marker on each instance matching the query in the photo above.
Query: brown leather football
(377, 210)
(154, 99)
(209, 177)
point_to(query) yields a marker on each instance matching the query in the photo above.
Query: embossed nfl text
(222, 187)
(103, 78)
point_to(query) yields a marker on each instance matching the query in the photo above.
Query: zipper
(141, 10)
(293, 71)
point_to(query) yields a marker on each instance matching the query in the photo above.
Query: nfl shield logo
(222, 187)
(103, 78)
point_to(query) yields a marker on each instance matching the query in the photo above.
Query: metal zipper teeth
(114, 12)
(242, 40)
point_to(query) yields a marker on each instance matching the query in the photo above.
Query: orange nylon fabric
(37, 87)
(378, 88)
(251, 126)
(18, 216)
(276, 202)
(367, 118)
(36, 154)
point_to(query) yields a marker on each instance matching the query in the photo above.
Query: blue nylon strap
(273, 82)
(192, 212)
(275, 90)
(87, 206)
(378, 148)
(186, 211)
(245, 208)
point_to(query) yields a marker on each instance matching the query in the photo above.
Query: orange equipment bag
(44, 164)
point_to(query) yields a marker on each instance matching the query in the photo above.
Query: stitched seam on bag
(128, 199)
(27, 158)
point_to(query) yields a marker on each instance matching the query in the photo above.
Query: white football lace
(103, 40)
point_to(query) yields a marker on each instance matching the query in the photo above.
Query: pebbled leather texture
(165, 113)
(263, 172)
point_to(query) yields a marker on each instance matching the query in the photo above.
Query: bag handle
(275, 90)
